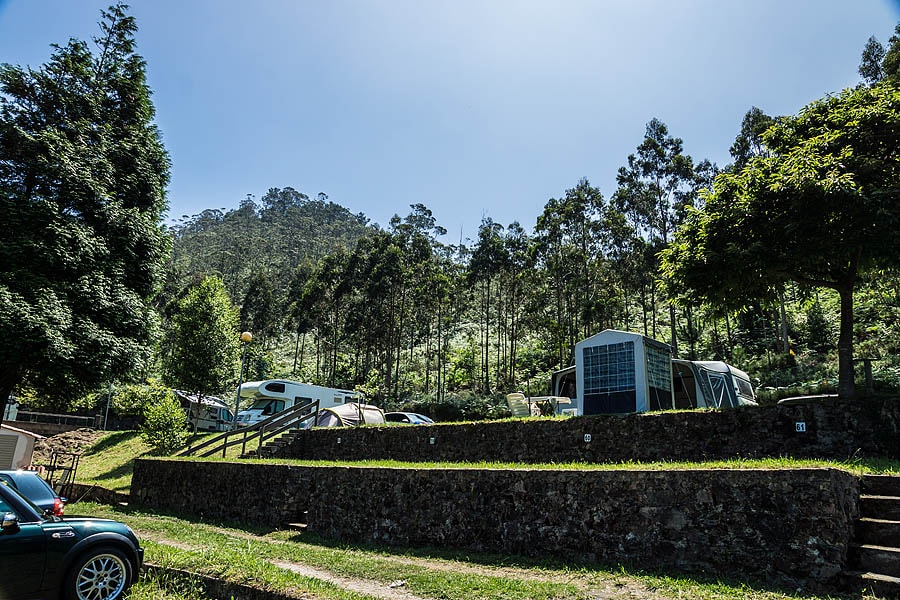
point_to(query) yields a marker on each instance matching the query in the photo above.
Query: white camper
(205, 413)
(275, 395)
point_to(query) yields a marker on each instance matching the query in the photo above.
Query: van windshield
(268, 406)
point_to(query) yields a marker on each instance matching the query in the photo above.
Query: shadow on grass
(112, 440)
(116, 473)
(665, 580)
(669, 582)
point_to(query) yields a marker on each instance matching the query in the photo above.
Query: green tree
(879, 63)
(568, 248)
(83, 173)
(130, 399)
(749, 142)
(655, 189)
(201, 345)
(870, 65)
(820, 210)
(259, 309)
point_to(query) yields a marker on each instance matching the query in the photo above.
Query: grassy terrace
(110, 463)
(309, 567)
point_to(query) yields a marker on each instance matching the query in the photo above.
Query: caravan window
(276, 387)
(745, 390)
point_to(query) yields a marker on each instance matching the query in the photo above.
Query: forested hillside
(409, 318)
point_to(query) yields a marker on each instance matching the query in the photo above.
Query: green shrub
(165, 424)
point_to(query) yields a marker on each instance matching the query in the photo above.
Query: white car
(408, 418)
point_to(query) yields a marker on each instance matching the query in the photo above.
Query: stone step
(880, 485)
(880, 507)
(877, 532)
(874, 559)
(883, 586)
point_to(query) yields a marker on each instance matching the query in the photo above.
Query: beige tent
(350, 414)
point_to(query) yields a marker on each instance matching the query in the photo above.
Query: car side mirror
(10, 521)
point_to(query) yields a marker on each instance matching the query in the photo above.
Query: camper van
(618, 372)
(275, 395)
(205, 413)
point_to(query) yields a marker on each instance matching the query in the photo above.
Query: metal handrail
(262, 431)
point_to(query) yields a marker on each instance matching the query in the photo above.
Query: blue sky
(473, 108)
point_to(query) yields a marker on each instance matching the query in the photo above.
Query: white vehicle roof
(283, 388)
(207, 400)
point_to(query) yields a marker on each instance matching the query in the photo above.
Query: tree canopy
(202, 342)
(83, 174)
(819, 209)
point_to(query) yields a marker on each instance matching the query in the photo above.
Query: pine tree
(83, 173)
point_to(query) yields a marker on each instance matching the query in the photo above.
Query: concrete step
(883, 586)
(880, 507)
(877, 532)
(880, 485)
(874, 559)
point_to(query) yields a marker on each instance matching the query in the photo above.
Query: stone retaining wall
(829, 430)
(787, 526)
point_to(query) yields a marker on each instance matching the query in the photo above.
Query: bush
(165, 427)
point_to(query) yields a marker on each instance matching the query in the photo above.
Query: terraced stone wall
(787, 526)
(823, 430)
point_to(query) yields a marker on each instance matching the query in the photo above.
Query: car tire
(102, 573)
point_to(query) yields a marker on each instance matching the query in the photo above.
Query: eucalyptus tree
(83, 173)
(568, 249)
(259, 309)
(519, 281)
(375, 272)
(879, 63)
(654, 188)
(489, 256)
(820, 210)
(416, 236)
(324, 301)
(870, 68)
(749, 142)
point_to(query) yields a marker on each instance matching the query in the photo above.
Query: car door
(22, 555)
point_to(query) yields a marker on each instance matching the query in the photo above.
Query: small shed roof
(16, 430)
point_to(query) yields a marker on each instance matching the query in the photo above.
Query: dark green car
(45, 557)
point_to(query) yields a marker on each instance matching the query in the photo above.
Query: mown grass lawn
(262, 558)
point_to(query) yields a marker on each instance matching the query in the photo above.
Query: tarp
(350, 415)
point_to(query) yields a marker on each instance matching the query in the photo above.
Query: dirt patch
(393, 591)
(75, 442)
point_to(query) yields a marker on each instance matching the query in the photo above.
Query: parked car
(31, 485)
(408, 418)
(44, 556)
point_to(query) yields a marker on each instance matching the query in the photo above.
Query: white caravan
(275, 395)
(206, 413)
